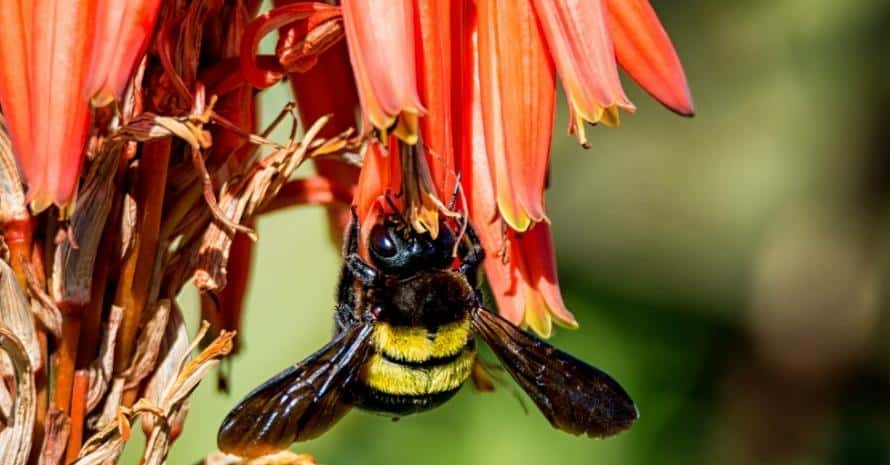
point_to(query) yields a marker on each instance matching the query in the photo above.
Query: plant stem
(78, 407)
(65, 358)
(136, 278)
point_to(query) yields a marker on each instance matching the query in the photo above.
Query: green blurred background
(730, 270)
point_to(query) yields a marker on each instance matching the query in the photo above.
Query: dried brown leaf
(73, 264)
(148, 345)
(12, 192)
(106, 445)
(101, 368)
(175, 349)
(240, 199)
(5, 406)
(112, 404)
(55, 438)
(15, 439)
(128, 224)
(173, 399)
(149, 126)
(42, 305)
(15, 314)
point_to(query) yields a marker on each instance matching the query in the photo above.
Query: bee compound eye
(381, 242)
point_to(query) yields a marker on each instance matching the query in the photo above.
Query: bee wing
(301, 402)
(574, 396)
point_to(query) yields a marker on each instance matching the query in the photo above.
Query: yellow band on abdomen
(392, 378)
(417, 344)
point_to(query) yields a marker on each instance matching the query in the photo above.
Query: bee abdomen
(416, 344)
(415, 369)
(376, 401)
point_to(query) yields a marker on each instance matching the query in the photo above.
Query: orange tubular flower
(468, 89)
(584, 38)
(520, 267)
(518, 92)
(644, 50)
(581, 44)
(55, 55)
(122, 33)
(380, 34)
(43, 94)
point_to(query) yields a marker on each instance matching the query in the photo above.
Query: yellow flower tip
(611, 117)
(518, 220)
(566, 323)
(407, 127)
(537, 317)
(40, 203)
(102, 98)
(382, 122)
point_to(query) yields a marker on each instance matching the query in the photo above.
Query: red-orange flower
(381, 36)
(481, 76)
(55, 54)
(123, 29)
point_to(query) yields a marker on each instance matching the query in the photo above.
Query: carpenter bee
(404, 342)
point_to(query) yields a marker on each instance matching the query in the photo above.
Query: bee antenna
(464, 221)
(457, 190)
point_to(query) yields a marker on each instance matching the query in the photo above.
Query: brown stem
(92, 316)
(132, 292)
(41, 378)
(78, 411)
(42, 395)
(66, 355)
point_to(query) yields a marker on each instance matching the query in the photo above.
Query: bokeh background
(730, 270)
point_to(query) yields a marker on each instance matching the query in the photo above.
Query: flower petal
(518, 92)
(537, 315)
(535, 247)
(122, 33)
(262, 77)
(437, 31)
(644, 50)
(579, 41)
(380, 174)
(59, 62)
(15, 16)
(503, 280)
(380, 34)
(477, 181)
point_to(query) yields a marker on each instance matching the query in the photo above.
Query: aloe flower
(56, 55)
(465, 91)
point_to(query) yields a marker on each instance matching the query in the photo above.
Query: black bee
(404, 343)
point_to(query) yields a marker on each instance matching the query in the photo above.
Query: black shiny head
(397, 249)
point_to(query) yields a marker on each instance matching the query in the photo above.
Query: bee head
(397, 249)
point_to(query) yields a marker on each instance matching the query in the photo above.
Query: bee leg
(352, 234)
(360, 270)
(355, 267)
(472, 256)
(344, 317)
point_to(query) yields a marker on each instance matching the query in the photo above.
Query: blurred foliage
(730, 270)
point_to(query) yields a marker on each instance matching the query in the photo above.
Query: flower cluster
(461, 96)
(130, 165)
